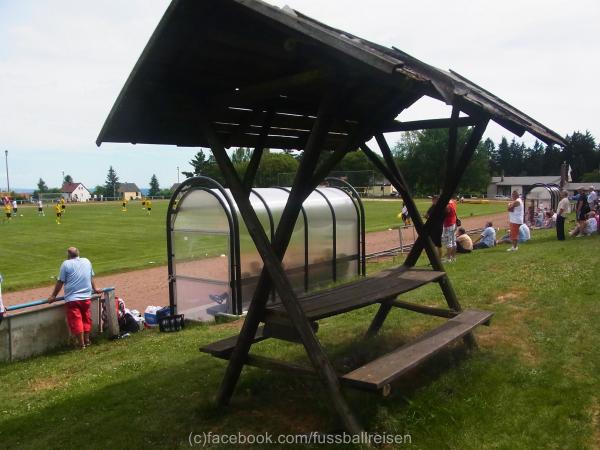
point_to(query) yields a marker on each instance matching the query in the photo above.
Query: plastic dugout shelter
(214, 266)
(549, 194)
(243, 73)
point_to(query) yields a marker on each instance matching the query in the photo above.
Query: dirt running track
(141, 288)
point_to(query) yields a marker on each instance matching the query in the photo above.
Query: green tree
(199, 164)
(271, 165)
(154, 187)
(356, 168)
(581, 154)
(42, 186)
(111, 184)
(99, 190)
(68, 179)
(421, 156)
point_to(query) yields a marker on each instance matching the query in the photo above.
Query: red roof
(69, 188)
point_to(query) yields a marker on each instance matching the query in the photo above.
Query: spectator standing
(76, 275)
(449, 231)
(487, 239)
(515, 219)
(592, 198)
(464, 244)
(563, 208)
(582, 208)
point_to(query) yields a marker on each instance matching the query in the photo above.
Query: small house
(75, 192)
(129, 191)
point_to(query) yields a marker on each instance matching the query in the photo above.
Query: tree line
(421, 155)
(110, 188)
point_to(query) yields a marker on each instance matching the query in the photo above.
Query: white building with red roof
(75, 192)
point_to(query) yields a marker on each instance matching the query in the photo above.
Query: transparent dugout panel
(320, 240)
(201, 299)
(201, 255)
(347, 232)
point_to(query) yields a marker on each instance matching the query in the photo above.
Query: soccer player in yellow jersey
(124, 205)
(59, 210)
(7, 213)
(148, 206)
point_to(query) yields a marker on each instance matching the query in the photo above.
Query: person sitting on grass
(464, 244)
(487, 239)
(524, 236)
(590, 226)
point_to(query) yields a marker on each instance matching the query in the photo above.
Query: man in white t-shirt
(592, 197)
(563, 208)
(515, 219)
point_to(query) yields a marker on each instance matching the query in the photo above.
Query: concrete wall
(35, 332)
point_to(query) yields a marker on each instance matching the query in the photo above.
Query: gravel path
(140, 288)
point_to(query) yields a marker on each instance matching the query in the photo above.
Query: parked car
(501, 197)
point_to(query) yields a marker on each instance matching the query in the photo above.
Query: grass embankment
(33, 247)
(533, 383)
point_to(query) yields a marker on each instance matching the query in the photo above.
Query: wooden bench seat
(224, 347)
(378, 373)
(357, 294)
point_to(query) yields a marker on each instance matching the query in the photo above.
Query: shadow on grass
(159, 408)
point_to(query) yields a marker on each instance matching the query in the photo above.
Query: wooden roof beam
(428, 124)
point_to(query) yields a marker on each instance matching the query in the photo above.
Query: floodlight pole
(7, 179)
(177, 174)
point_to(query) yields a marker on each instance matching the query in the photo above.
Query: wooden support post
(465, 156)
(272, 263)
(111, 313)
(271, 255)
(258, 151)
(377, 322)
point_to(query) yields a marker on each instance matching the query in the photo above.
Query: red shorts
(79, 316)
(514, 231)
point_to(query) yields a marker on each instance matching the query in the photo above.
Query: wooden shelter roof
(245, 62)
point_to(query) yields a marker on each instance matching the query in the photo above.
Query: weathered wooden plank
(430, 310)
(357, 294)
(224, 347)
(382, 371)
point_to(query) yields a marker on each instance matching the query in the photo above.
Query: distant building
(129, 191)
(75, 192)
(504, 186)
(572, 187)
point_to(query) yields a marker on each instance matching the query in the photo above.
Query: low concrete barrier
(36, 331)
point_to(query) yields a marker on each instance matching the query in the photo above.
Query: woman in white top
(515, 219)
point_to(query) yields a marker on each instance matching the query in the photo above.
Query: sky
(63, 63)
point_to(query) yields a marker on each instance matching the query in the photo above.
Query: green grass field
(383, 214)
(533, 383)
(33, 247)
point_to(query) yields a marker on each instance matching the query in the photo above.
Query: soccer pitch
(34, 246)
(115, 241)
